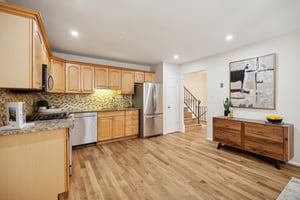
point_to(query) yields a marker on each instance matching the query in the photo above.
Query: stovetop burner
(46, 116)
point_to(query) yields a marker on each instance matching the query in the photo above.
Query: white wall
(287, 48)
(158, 69)
(100, 61)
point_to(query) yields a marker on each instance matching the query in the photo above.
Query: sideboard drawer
(265, 147)
(229, 137)
(265, 132)
(227, 124)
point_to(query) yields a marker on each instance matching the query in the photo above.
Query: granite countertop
(36, 126)
(101, 110)
(47, 125)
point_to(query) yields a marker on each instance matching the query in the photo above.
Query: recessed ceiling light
(74, 33)
(176, 57)
(229, 37)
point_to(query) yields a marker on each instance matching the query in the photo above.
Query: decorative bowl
(274, 119)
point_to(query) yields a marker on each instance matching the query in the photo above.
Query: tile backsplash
(68, 102)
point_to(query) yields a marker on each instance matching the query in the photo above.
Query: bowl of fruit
(274, 118)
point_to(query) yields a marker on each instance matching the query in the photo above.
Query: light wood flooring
(175, 166)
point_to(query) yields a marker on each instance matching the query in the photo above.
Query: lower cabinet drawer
(229, 137)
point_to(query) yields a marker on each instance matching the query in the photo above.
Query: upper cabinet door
(114, 79)
(22, 49)
(127, 82)
(72, 78)
(101, 77)
(57, 71)
(150, 77)
(15, 51)
(87, 79)
(39, 57)
(139, 77)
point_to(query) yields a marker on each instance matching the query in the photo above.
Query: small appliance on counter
(16, 115)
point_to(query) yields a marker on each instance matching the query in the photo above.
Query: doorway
(195, 87)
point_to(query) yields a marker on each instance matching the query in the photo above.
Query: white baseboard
(295, 163)
(209, 139)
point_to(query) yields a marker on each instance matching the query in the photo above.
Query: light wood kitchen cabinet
(72, 78)
(79, 78)
(87, 79)
(111, 125)
(104, 127)
(22, 51)
(131, 122)
(139, 77)
(114, 78)
(40, 56)
(118, 125)
(58, 72)
(127, 82)
(101, 77)
(150, 77)
(34, 165)
(270, 140)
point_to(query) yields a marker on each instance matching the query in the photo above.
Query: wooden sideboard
(275, 141)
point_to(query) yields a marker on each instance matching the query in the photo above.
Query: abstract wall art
(252, 82)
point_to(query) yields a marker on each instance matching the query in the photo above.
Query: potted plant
(42, 104)
(226, 107)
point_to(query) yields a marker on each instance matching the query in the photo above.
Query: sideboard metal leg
(277, 164)
(219, 145)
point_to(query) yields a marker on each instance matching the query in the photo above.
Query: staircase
(190, 122)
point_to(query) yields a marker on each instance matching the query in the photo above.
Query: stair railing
(193, 104)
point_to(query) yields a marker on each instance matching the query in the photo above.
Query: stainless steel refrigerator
(148, 97)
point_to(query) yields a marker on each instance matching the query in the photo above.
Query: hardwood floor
(175, 166)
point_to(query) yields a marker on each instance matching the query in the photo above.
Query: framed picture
(252, 83)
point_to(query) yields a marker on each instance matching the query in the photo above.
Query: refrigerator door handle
(155, 98)
(152, 116)
(149, 117)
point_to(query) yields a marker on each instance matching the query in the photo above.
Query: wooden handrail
(193, 104)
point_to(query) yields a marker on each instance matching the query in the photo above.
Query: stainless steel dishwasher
(85, 128)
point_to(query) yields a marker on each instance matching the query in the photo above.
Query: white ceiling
(152, 31)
